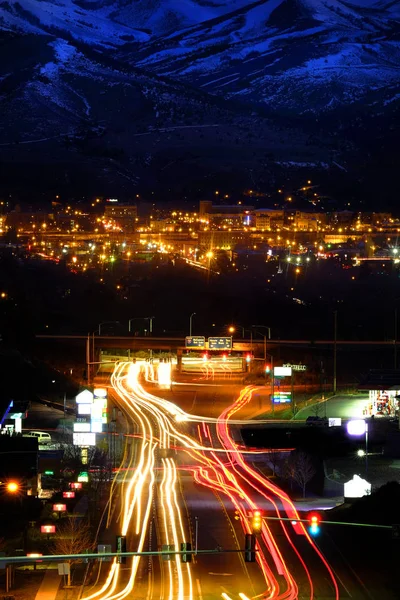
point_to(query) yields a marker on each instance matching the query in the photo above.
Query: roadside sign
(63, 568)
(282, 371)
(220, 343)
(296, 367)
(121, 547)
(282, 397)
(195, 342)
(165, 548)
(104, 549)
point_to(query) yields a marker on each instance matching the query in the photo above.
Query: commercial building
(230, 215)
(383, 386)
(123, 215)
(268, 219)
(222, 239)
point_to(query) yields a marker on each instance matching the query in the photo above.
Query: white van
(41, 436)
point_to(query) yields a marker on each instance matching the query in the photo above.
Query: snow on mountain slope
(292, 54)
(66, 16)
(110, 22)
(164, 16)
(71, 113)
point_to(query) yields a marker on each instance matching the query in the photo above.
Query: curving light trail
(220, 467)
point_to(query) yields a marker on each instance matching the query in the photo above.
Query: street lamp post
(150, 319)
(232, 329)
(335, 352)
(264, 336)
(358, 427)
(105, 323)
(151, 324)
(190, 323)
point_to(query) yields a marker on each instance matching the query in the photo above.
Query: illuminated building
(124, 215)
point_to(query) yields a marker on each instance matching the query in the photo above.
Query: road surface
(345, 406)
(186, 479)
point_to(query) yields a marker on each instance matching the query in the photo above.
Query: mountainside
(302, 55)
(116, 94)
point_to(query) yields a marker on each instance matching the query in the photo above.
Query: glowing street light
(358, 427)
(12, 487)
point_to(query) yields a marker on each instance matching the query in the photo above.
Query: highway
(187, 480)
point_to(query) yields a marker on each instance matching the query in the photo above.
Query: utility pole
(292, 392)
(395, 338)
(88, 359)
(273, 386)
(335, 352)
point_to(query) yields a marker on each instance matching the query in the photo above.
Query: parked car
(41, 436)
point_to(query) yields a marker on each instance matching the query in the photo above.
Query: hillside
(185, 94)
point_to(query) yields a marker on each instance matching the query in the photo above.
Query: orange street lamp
(12, 487)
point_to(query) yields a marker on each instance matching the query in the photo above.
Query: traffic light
(314, 521)
(268, 369)
(250, 547)
(248, 358)
(256, 521)
(186, 547)
(121, 547)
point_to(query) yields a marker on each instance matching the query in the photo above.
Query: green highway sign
(219, 343)
(195, 342)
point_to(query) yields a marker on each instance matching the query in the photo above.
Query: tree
(275, 460)
(300, 468)
(73, 537)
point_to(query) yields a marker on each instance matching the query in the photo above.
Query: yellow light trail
(160, 422)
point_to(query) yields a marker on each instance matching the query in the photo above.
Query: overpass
(356, 356)
(134, 343)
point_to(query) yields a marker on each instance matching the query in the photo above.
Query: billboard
(282, 397)
(195, 342)
(296, 367)
(81, 427)
(96, 426)
(100, 405)
(220, 343)
(84, 397)
(282, 371)
(84, 439)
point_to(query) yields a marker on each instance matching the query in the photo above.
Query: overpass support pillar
(179, 360)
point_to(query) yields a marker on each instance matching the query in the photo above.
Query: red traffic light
(314, 520)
